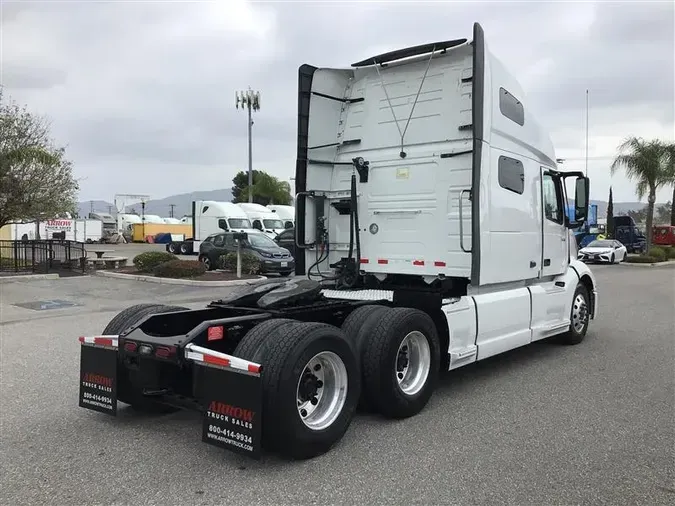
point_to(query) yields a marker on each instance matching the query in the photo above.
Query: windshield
(273, 224)
(601, 244)
(239, 223)
(261, 241)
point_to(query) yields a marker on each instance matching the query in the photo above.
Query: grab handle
(461, 223)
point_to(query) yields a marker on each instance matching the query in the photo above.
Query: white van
(284, 213)
(263, 219)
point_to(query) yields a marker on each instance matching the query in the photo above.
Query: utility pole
(171, 211)
(91, 206)
(249, 100)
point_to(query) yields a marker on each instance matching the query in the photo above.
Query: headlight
(268, 255)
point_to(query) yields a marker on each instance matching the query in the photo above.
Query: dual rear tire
(399, 352)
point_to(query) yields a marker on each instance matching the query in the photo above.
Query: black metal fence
(42, 256)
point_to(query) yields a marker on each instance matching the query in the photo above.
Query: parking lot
(545, 424)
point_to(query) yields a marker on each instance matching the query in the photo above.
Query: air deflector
(409, 52)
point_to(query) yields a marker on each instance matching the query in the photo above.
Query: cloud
(142, 93)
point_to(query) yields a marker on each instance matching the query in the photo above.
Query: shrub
(179, 269)
(250, 264)
(670, 252)
(658, 253)
(146, 262)
(641, 259)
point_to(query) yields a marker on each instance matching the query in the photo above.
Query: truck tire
(117, 325)
(311, 385)
(185, 248)
(124, 319)
(401, 362)
(171, 248)
(358, 327)
(579, 317)
(252, 345)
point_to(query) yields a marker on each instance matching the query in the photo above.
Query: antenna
(586, 133)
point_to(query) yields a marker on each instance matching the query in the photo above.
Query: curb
(30, 277)
(659, 264)
(186, 282)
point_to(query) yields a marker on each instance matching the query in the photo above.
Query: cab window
(552, 200)
(219, 241)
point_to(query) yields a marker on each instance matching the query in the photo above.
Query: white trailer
(431, 213)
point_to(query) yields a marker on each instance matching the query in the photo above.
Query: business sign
(59, 225)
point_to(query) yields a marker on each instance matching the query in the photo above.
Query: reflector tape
(110, 341)
(385, 261)
(209, 357)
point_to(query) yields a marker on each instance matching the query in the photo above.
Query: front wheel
(612, 260)
(206, 261)
(579, 317)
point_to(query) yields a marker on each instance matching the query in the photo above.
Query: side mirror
(257, 225)
(581, 192)
(222, 223)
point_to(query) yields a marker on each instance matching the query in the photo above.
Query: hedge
(641, 259)
(146, 262)
(658, 253)
(180, 269)
(250, 264)
(670, 252)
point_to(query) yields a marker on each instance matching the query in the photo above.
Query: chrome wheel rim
(322, 390)
(579, 313)
(413, 363)
(206, 262)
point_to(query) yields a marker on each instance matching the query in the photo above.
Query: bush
(250, 264)
(641, 259)
(670, 252)
(146, 262)
(179, 269)
(658, 253)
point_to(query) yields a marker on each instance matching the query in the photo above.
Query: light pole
(249, 100)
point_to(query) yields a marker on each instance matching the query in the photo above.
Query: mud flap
(98, 377)
(233, 402)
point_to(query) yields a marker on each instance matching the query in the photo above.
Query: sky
(142, 93)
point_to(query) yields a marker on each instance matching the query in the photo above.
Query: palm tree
(670, 174)
(269, 188)
(645, 163)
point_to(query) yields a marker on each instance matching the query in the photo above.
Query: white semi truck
(210, 217)
(431, 215)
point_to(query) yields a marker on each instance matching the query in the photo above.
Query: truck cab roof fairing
(409, 52)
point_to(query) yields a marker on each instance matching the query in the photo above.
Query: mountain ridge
(182, 203)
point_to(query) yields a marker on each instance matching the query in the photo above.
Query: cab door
(555, 235)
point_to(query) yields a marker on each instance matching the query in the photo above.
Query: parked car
(607, 250)
(286, 239)
(273, 258)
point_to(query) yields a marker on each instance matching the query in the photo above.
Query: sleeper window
(511, 174)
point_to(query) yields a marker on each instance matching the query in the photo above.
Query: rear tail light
(165, 351)
(130, 346)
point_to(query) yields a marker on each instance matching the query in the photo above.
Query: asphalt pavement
(542, 425)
